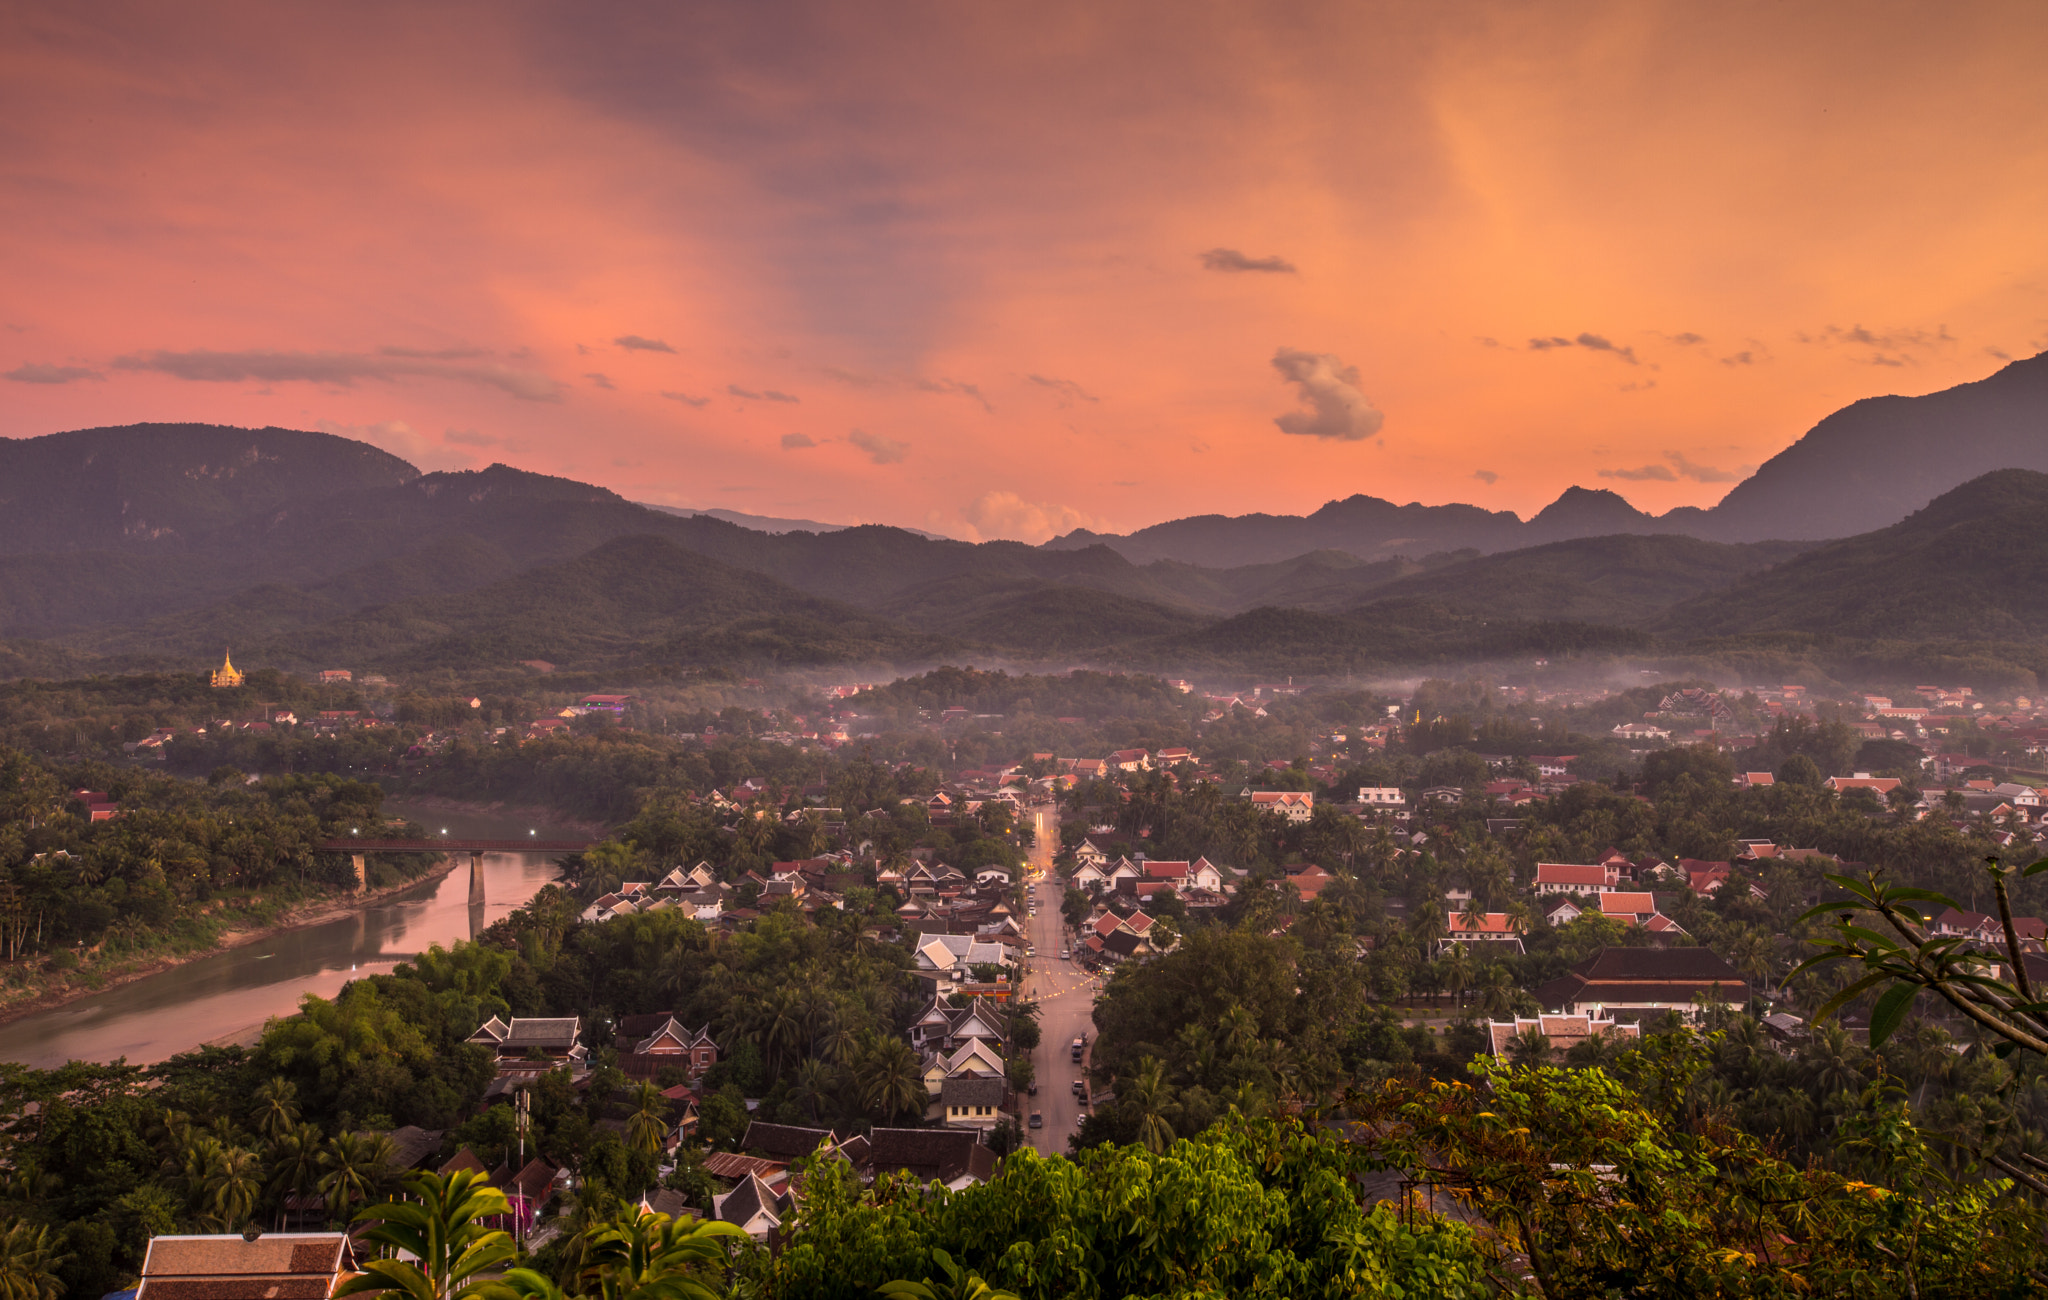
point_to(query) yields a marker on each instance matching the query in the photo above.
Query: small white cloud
(473, 438)
(1230, 260)
(1680, 467)
(338, 369)
(32, 373)
(758, 395)
(684, 398)
(1700, 473)
(1644, 473)
(1007, 515)
(1486, 476)
(635, 343)
(880, 450)
(1068, 390)
(1590, 341)
(792, 441)
(1337, 410)
(398, 438)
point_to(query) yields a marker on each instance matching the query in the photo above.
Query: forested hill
(1973, 564)
(308, 551)
(170, 483)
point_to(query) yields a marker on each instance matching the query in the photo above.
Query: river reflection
(228, 996)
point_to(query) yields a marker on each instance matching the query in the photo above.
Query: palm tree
(647, 1125)
(1426, 925)
(1457, 971)
(1475, 912)
(1240, 1030)
(1924, 1053)
(1249, 1100)
(450, 1250)
(890, 1079)
(653, 1257)
(781, 1026)
(230, 1187)
(1520, 915)
(1752, 952)
(356, 1164)
(839, 1043)
(1832, 1063)
(277, 1107)
(1597, 1049)
(294, 1164)
(29, 1261)
(1496, 991)
(1530, 1047)
(815, 1081)
(1148, 1094)
(89, 868)
(197, 1168)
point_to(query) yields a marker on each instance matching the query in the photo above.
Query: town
(922, 970)
(787, 651)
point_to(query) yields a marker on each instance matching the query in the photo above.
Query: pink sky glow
(1006, 271)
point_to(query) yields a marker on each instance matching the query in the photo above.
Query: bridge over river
(227, 996)
(359, 848)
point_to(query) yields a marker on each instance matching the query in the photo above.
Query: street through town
(1065, 995)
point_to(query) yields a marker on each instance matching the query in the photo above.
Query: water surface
(227, 997)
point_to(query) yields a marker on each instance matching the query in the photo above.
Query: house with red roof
(1877, 785)
(1575, 878)
(1294, 805)
(1494, 927)
(1309, 881)
(1704, 877)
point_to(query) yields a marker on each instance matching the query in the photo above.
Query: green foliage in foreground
(442, 1250)
(1251, 1208)
(1574, 1183)
(1622, 1184)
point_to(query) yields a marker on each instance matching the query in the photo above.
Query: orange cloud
(1065, 243)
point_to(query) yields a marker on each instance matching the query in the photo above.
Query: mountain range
(768, 523)
(1864, 467)
(157, 545)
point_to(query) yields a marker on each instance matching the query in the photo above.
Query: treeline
(182, 860)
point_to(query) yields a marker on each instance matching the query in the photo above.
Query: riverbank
(17, 1004)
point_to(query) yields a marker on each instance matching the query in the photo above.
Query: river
(228, 996)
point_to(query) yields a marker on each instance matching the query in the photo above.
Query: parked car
(1037, 1120)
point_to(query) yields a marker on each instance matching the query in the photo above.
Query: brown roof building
(928, 1154)
(785, 1142)
(275, 1266)
(1626, 983)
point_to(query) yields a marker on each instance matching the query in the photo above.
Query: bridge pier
(362, 871)
(476, 879)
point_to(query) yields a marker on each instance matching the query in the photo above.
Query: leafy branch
(1881, 927)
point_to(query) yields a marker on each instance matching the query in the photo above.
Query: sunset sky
(1005, 270)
